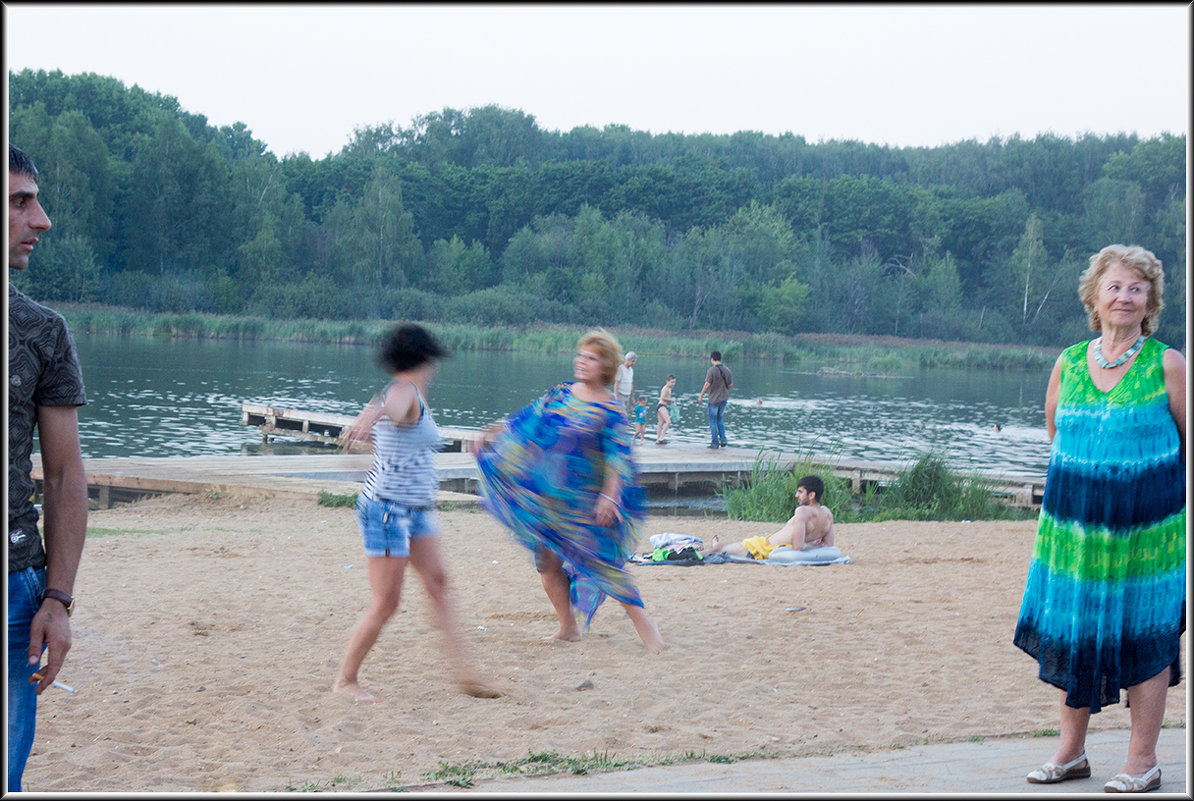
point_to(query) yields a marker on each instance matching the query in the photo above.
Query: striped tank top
(404, 459)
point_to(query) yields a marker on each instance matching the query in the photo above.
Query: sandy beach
(209, 631)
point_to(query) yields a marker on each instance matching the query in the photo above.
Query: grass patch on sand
(339, 783)
(95, 531)
(335, 499)
(465, 775)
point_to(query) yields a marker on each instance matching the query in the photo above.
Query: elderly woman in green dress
(1104, 602)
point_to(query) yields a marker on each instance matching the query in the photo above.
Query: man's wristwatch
(62, 598)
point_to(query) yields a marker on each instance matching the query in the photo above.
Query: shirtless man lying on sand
(810, 526)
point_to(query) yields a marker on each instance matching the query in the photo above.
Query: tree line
(482, 217)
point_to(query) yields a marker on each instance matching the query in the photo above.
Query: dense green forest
(481, 217)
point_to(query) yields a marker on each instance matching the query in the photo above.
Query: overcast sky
(303, 77)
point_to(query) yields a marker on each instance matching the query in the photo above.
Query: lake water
(167, 397)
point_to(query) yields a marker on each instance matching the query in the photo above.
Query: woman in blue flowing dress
(559, 475)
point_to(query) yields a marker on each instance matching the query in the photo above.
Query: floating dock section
(329, 428)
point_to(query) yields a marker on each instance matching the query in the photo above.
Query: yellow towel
(758, 547)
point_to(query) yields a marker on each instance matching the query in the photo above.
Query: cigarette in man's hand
(58, 684)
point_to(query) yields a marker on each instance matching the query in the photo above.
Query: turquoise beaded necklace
(1127, 354)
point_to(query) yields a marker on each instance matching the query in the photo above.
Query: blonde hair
(1135, 258)
(607, 348)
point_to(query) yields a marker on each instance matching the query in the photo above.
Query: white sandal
(1127, 783)
(1051, 772)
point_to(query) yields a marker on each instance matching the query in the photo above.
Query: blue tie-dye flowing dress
(541, 477)
(1104, 603)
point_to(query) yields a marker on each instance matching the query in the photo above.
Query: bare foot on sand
(355, 691)
(652, 639)
(648, 632)
(568, 633)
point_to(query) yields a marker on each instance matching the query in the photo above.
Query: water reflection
(164, 397)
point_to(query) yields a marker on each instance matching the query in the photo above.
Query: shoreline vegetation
(853, 354)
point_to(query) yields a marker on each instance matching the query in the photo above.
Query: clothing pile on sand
(685, 550)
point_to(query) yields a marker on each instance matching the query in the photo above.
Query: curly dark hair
(813, 484)
(406, 347)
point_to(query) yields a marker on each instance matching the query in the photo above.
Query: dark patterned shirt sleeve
(43, 370)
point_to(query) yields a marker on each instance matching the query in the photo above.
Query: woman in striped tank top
(396, 508)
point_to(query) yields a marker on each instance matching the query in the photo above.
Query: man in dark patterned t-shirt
(45, 385)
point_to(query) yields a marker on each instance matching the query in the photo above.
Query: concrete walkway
(996, 765)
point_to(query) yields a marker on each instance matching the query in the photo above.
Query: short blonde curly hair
(607, 347)
(1135, 258)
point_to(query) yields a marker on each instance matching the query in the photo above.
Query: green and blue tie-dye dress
(541, 477)
(1104, 603)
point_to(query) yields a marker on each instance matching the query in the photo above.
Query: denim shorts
(388, 527)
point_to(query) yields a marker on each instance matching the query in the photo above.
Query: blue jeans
(717, 428)
(25, 589)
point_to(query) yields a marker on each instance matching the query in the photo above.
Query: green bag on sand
(668, 555)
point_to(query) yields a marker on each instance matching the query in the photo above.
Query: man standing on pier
(45, 387)
(717, 383)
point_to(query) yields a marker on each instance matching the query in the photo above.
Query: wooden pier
(675, 469)
(678, 468)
